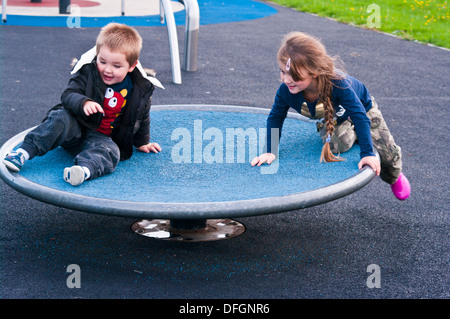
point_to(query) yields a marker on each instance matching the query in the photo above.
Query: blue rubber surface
(189, 170)
(211, 12)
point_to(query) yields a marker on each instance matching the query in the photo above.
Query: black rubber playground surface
(318, 252)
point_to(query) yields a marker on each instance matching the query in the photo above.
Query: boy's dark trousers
(94, 150)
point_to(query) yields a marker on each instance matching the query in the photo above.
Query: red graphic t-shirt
(114, 104)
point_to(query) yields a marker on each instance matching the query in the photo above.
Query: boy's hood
(88, 56)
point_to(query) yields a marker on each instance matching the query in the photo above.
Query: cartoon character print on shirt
(113, 99)
(112, 107)
(318, 112)
(341, 111)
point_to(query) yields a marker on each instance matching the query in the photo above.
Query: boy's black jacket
(134, 128)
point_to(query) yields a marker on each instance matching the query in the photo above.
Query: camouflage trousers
(344, 136)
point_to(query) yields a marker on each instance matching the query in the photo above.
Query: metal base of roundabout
(198, 230)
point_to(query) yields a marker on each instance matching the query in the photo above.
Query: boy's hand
(263, 158)
(150, 147)
(91, 107)
(372, 161)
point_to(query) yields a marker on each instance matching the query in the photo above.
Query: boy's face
(112, 66)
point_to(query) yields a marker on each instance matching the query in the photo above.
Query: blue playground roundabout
(202, 175)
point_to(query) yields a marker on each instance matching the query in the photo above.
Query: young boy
(104, 110)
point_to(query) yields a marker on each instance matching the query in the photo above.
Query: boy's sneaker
(74, 175)
(14, 161)
(401, 188)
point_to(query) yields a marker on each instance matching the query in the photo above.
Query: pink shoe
(401, 188)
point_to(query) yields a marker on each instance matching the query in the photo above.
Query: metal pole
(173, 41)
(161, 12)
(191, 34)
(4, 4)
(63, 6)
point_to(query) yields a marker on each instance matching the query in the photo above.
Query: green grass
(425, 21)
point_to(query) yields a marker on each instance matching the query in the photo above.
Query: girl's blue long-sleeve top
(350, 99)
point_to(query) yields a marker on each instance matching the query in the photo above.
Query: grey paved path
(320, 252)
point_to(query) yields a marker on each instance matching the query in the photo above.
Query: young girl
(314, 87)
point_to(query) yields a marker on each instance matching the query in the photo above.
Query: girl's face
(112, 66)
(296, 86)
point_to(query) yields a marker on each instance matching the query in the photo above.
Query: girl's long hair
(307, 53)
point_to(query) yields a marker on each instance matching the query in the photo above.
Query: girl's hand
(372, 161)
(263, 158)
(150, 147)
(91, 107)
